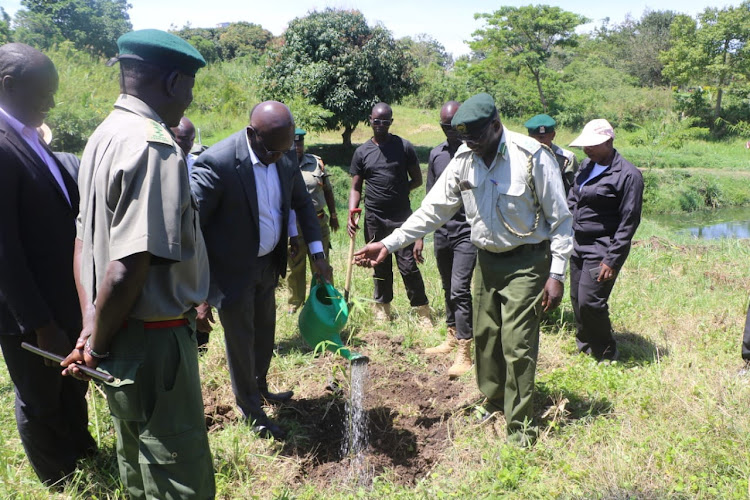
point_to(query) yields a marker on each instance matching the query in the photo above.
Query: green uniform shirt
(496, 195)
(568, 165)
(135, 197)
(315, 178)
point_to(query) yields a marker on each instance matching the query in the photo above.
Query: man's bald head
(271, 130)
(382, 110)
(448, 110)
(184, 134)
(446, 115)
(28, 82)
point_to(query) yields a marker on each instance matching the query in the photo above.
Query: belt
(321, 214)
(158, 325)
(523, 248)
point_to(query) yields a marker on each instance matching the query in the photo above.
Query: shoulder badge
(155, 132)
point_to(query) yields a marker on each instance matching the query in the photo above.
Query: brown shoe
(462, 364)
(381, 311)
(448, 344)
(423, 312)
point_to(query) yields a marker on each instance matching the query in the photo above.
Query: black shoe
(276, 397)
(265, 428)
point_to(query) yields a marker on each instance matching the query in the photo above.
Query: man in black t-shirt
(390, 166)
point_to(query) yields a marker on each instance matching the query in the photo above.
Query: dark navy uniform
(606, 213)
(455, 254)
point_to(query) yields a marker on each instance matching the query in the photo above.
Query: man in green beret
(316, 180)
(542, 128)
(141, 267)
(514, 201)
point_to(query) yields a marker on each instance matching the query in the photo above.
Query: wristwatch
(318, 256)
(558, 277)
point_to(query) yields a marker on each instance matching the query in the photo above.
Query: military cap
(161, 49)
(540, 124)
(474, 113)
(299, 134)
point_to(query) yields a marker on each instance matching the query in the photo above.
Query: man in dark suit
(245, 188)
(38, 301)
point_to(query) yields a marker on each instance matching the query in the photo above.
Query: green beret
(474, 113)
(299, 134)
(161, 49)
(540, 124)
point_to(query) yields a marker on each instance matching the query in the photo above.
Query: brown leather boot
(423, 313)
(448, 344)
(462, 364)
(381, 311)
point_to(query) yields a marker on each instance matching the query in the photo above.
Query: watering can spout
(323, 318)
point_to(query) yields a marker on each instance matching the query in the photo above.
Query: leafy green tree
(244, 39)
(711, 50)
(525, 37)
(634, 45)
(92, 25)
(335, 60)
(6, 33)
(426, 50)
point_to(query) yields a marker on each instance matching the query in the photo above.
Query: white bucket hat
(594, 133)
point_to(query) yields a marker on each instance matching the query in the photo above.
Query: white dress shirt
(595, 170)
(268, 190)
(31, 137)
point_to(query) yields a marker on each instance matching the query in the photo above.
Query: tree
(6, 33)
(92, 25)
(711, 50)
(526, 37)
(243, 39)
(335, 60)
(426, 50)
(634, 46)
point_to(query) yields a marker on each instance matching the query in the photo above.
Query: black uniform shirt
(606, 211)
(384, 170)
(440, 157)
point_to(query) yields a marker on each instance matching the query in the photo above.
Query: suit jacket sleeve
(302, 204)
(17, 283)
(207, 187)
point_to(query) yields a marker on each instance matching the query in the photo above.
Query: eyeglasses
(266, 151)
(378, 122)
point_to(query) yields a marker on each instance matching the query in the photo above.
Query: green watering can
(323, 317)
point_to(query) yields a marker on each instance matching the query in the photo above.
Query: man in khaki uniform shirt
(514, 200)
(321, 192)
(141, 267)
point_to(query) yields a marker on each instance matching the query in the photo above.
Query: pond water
(710, 225)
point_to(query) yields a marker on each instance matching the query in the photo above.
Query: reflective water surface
(710, 225)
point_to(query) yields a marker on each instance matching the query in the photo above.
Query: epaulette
(528, 144)
(463, 149)
(155, 132)
(320, 161)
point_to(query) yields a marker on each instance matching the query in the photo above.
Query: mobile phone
(594, 272)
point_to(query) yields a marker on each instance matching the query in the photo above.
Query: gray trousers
(249, 331)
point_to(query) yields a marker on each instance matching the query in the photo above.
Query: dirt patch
(409, 416)
(408, 422)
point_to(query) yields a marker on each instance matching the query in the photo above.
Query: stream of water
(710, 225)
(355, 441)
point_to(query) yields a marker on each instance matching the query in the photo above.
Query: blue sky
(449, 21)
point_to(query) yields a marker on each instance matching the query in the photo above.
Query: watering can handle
(354, 215)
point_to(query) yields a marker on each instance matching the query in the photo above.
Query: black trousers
(249, 332)
(51, 410)
(456, 258)
(589, 298)
(375, 230)
(746, 338)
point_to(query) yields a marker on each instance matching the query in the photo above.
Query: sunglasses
(477, 136)
(378, 122)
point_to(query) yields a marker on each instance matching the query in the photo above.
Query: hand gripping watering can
(323, 317)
